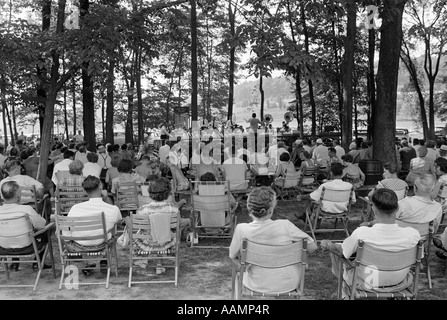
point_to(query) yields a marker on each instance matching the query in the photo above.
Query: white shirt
(417, 209)
(334, 207)
(12, 210)
(24, 181)
(163, 153)
(81, 157)
(389, 237)
(339, 151)
(321, 155)
(60, 166)
(94, 206)
(91, 168)
(278, 232)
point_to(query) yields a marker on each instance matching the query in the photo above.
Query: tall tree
(384, 113)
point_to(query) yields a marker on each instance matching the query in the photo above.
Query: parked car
(402, 133)
(440, 132)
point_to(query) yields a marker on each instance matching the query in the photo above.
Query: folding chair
(67, 196)
(289, 187)
(19, 230)
(369, 261)
(315, 213)
(210, 208)
(235, 174)
(126, 197)
(176, 192)
(140, 229)
(426, 231)
(367, 213)
(268, 256)
(307, 181)
(39, 205)
(94, 226)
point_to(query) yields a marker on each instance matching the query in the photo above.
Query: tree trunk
(338, 77)
(348, 68)
(193, 62)
(4, 108)
(309, 82)
(75, 117)
(384, 113)
(139, 97)
(370, 82)
(261, 90)
(88, 95)
(231, 16)
(110, 92)
(130, 102)
(41, 72)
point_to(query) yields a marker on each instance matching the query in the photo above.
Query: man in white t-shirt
(320, 154)
(334, 184)
(385, 234)
(62, 165)
(95, 205)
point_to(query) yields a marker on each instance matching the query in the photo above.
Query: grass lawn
(204, 273)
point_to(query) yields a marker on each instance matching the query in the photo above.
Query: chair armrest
(45, 196)
(347, 261)
(45, 229)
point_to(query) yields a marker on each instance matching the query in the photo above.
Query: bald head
(10, 191)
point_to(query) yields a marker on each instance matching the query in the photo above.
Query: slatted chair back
(126, 197)
(371, 261)
(426, 231)
(72, 230)
(211, 208)
(67, 196)
(272, 257)
(29, 196)
(17, 232)
(140, 229)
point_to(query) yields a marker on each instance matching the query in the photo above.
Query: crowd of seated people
(105, 167)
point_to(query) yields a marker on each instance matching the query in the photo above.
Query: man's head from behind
(92, 185)
(68, 154)
(385, 202)
(424, 184)
(11, 192)
(336, 169)
(13, 167)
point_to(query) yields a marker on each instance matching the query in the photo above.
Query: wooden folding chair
(210, 206)
(31, 199)
(139, 228)
(20, 230)
(426, 231)
(126, 197)
(307, 181)
(315, 213)
(268, 256)
(70, 251)
(369, 262)
(367, 213)
(67, 196)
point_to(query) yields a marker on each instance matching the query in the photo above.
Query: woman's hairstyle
(75, 167)
(208, 176)
(125, 165)
(306, 154)
(115, 161)
(347, 157)
(442, 164)
(261, 201)
(284, 157)
(160, 189)
(385, 200)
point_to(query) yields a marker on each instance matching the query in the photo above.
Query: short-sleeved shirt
(336, 184)
(278, 232)
(94, 206)
(92, 169)
(12, 210)
(417, 209)
(24, 181)
(389, 237)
